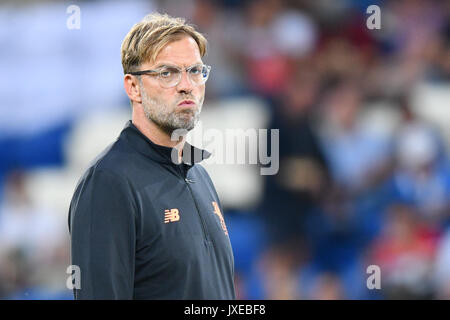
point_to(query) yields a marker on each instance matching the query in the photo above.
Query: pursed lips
(186, 103)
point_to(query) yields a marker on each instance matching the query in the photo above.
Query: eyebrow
(166, 64)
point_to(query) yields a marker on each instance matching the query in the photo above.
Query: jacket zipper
(202, 221)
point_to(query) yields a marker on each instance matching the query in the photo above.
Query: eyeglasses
(170, 76)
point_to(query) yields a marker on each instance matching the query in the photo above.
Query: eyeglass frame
(159, 69)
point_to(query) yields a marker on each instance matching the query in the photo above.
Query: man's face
(163, 105)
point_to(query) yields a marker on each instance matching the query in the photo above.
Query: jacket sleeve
(102, 227)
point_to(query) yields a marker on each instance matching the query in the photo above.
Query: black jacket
(144, 227)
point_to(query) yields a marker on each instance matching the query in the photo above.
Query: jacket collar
(163, 154)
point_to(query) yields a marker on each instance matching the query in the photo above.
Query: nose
(185, 84)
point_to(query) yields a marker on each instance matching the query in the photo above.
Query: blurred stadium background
(364, 119)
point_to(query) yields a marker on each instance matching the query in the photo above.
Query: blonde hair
(146, 39)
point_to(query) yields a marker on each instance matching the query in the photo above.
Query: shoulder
(104, 184)
(109, 167)
(117, 159)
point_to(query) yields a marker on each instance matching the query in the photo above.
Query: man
(145, 219)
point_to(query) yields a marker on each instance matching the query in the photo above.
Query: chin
(189, 127)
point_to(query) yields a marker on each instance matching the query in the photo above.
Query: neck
(152, 131)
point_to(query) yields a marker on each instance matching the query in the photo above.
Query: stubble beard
(167, 117)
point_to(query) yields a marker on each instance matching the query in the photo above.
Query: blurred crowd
(363, 116)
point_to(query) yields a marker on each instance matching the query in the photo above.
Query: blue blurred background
(364, 119)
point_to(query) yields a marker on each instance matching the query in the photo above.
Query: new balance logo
(171, 215)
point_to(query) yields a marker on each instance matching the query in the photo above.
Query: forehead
(183, 52)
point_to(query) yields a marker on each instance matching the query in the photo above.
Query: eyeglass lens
(171, 76)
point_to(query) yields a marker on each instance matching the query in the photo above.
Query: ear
(132, 88)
